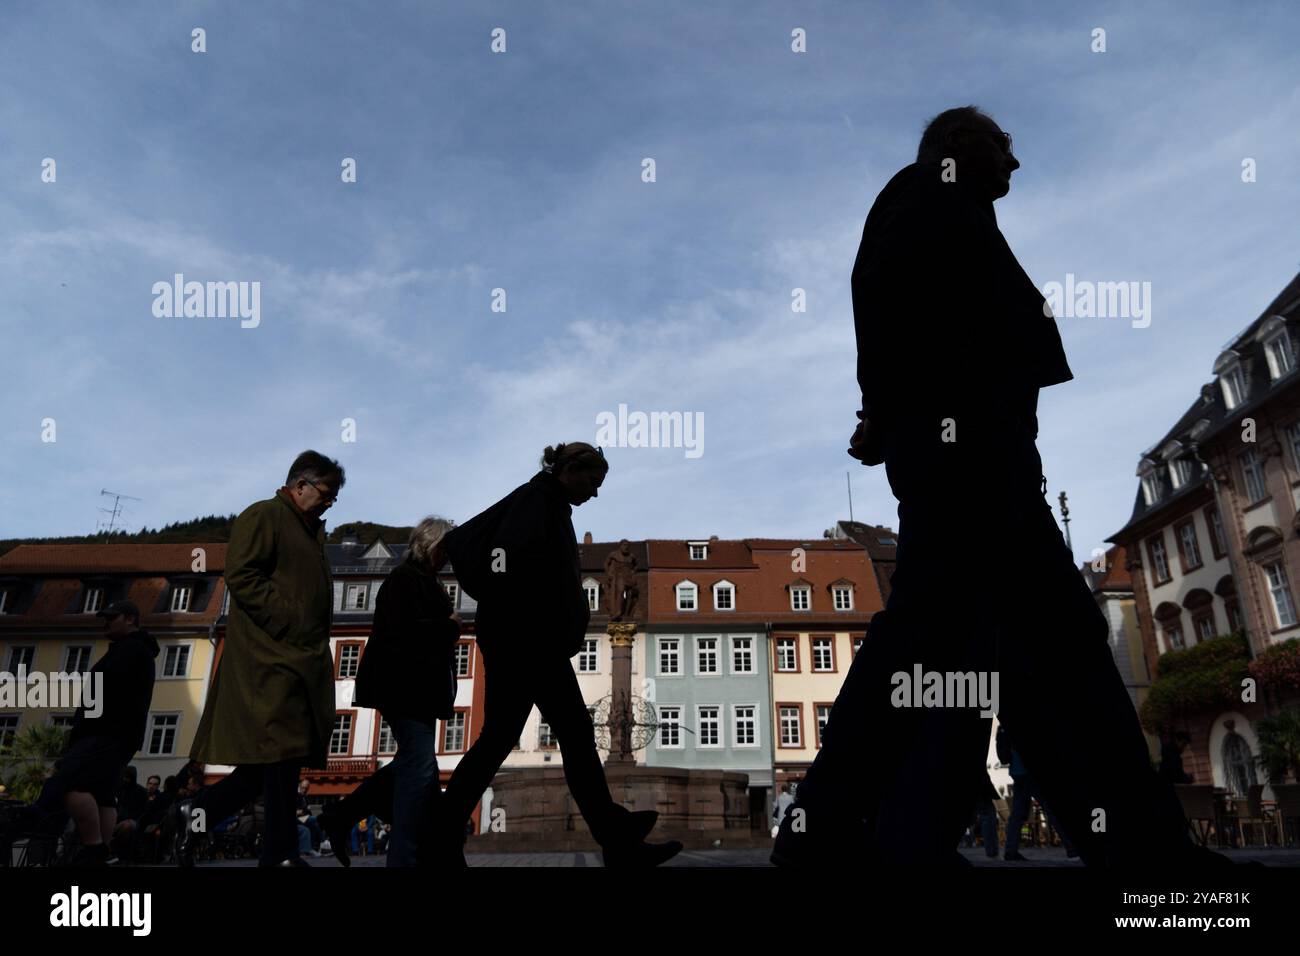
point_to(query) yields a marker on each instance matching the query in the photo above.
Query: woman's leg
(507, 702)
(415, 786)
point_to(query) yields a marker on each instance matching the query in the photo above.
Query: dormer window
(1180, 473)
(357, 597)
(724, 596)
(1233, 382)
(592, 587)
(94, 600)
(1150, 487)
(800, 598)
(687, 594)
(842, 595)
(1278, 352)
(182, 594)
(699, 550)
(453, 593)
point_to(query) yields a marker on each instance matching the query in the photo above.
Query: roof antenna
(116, 511)
(848, 481)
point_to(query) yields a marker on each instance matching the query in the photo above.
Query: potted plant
(1279, 754)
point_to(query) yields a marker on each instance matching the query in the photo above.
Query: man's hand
(867, 443)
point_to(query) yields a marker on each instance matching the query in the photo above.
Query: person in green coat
(270, 709)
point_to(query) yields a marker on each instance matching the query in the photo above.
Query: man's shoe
(639, 855)
(338, 834)
(1013, 856)
(640, 823)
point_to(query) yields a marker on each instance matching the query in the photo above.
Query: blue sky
(522, 171)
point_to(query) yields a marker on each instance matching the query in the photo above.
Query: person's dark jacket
(948, 324)
(409, 667)
(538, 598)
(155, 810)
(132, 800)
(128, 673)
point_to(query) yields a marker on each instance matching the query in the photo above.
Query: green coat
(272, 697)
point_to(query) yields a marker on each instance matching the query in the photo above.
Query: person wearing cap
(103, 740)
(270, 709)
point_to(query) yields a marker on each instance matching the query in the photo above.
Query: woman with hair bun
(519, 558)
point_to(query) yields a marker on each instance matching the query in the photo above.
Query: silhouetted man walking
(954, 343)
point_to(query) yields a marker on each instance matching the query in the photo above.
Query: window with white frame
(462, 659)
(1180, 472)
(94, 601)
(823, 654)
(357, 596)
(162, 735)
(341, 736)
(787, 654)
(225, 602)
(76, 659)
(823, 717)
(62, 721)
(1279, 590)
(1278, 352)
(670, 730)
(587, 657)
(592, 588)
(686, 596)
(1150, 487)
(742, 655)
(453, 593)
(545, 739)
(1233, 383)
(1191, 547)
(724, 596)
(800, 598)
(349, 660)
(453, 733)
(387, 743)
(176, 660)
(181, 596)
(857, 645)
(791, 732)
(706, 655)
(20, 658)
(8, 730)
(670, 655)
(4, 600)
(1216, 531)
(699, 550)
(1253, 474)
(1159, 562)
(745, 725)
(708, 725)
(843, 595)
(1205, 627)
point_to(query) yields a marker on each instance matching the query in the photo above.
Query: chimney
(351, 540)
(713, 537)
(586, 537)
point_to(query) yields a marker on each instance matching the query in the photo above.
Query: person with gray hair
(270, 706)
(408, 674)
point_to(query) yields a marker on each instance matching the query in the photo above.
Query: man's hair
(573, 456)
(934, 140)
(154, 776)
(313, 466)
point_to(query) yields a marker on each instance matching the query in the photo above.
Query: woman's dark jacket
(535, 601)
(409, 666)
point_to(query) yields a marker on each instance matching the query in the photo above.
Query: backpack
(469, 548)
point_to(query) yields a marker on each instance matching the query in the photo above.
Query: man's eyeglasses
(323, 492)
(1003, 139)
